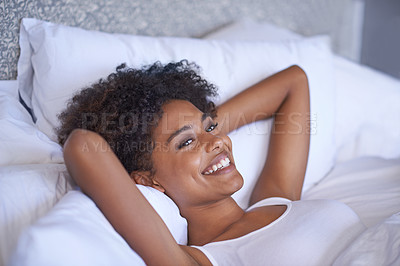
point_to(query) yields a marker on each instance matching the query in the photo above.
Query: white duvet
(378, 245)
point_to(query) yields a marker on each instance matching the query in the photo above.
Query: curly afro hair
(125, 107)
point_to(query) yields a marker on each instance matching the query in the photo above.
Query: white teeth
(222, 164)
(225, 162)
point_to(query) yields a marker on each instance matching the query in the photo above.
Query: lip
(216, 160)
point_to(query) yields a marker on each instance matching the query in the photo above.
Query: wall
(381, 36)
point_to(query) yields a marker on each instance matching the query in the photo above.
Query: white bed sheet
(27, 193)
(369, 185)
(9, 87)
(378, 245)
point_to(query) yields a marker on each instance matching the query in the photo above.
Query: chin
(237, 183)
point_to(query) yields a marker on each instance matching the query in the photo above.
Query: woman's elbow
(299, 72)
(78, 142)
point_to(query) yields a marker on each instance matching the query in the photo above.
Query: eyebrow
(186, 127)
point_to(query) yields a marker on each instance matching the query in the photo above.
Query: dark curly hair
(125, 107)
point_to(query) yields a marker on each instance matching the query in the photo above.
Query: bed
(354, 127)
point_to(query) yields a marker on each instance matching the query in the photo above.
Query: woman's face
(193, 163)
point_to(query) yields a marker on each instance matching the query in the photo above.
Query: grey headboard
(175, 18)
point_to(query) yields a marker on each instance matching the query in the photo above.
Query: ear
(158, 186)
(145, 178)
(142, 178)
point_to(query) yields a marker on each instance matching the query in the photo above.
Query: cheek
(186, 165)
(227, 141)
(177, 169)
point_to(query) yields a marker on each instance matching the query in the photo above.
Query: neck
(207, 222)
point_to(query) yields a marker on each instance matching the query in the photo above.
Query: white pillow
(359, 129)
(75, 232)
(369, 126)
(20, 141)
(168, 211)
(57, 61)
(250, 30)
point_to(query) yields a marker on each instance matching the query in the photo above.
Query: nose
(216, 142)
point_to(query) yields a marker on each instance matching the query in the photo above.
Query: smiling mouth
(218, 166)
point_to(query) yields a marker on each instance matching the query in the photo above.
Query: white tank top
(309, 232)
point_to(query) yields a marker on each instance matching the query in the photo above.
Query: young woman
(156, 126)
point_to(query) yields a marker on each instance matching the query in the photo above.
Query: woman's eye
(185, 143)
(212, 127)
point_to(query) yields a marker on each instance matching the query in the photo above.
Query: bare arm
(284, 95)
(100, 175)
